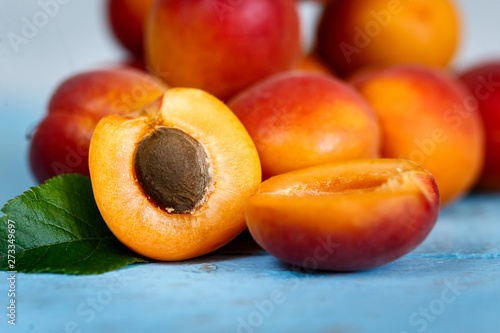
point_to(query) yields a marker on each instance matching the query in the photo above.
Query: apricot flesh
(344, 216)
(173, 233)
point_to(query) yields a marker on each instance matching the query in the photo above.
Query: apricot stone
(173, 170)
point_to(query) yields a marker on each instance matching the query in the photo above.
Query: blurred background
(76, 37)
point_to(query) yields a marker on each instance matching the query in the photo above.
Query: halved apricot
(344, 216)
(171, 180)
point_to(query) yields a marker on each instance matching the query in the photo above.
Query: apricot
(356, 33)
(299, 119)
(427, 116)
(344, 216)
(313, 63)
(483, 81)
(222, 47)
(127, 19)
(61, 141)
(171, 179)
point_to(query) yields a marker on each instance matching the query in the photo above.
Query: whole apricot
(299, 119)
(483, 81)
(428, 116)
(222, 47)
(344, 216)
(127, 19)
(171, 179)
(311, 62)
(356, 33)
(61, 141)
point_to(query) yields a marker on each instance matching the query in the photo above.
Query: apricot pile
(336, 157)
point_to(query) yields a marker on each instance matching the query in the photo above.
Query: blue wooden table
(451, 283)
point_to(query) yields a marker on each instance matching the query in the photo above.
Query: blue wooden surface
(451, 283)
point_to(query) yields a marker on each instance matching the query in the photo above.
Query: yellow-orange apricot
(299, 119)
(313, 63)
(171, 180)
(356, 33)
(428, 116)
(344, 216)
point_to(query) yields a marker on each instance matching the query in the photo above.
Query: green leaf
(57, 228)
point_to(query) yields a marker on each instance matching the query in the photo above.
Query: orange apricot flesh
(344, 216)
(131, 214)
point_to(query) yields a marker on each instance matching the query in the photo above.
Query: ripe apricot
(127, 19)
(312, 63)
(60, 144)
(483, 81)
(344, 216)
(221, 46)
(356, 33)
(170, 181)
(428, 116)
(298, 119)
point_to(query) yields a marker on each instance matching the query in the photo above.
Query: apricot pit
(172, 169)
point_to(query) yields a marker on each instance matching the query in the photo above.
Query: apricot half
(171, 181)
(344, 216)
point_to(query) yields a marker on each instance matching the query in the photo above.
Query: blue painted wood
(451, 283)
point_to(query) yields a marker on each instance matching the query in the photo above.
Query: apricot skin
(61, 141)
(127, 19)
(221, 47)
(426, 116)
(134, 218)
(353, 34)
(298, 119)
(483, 81)
(313, 63)
(344, 216)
